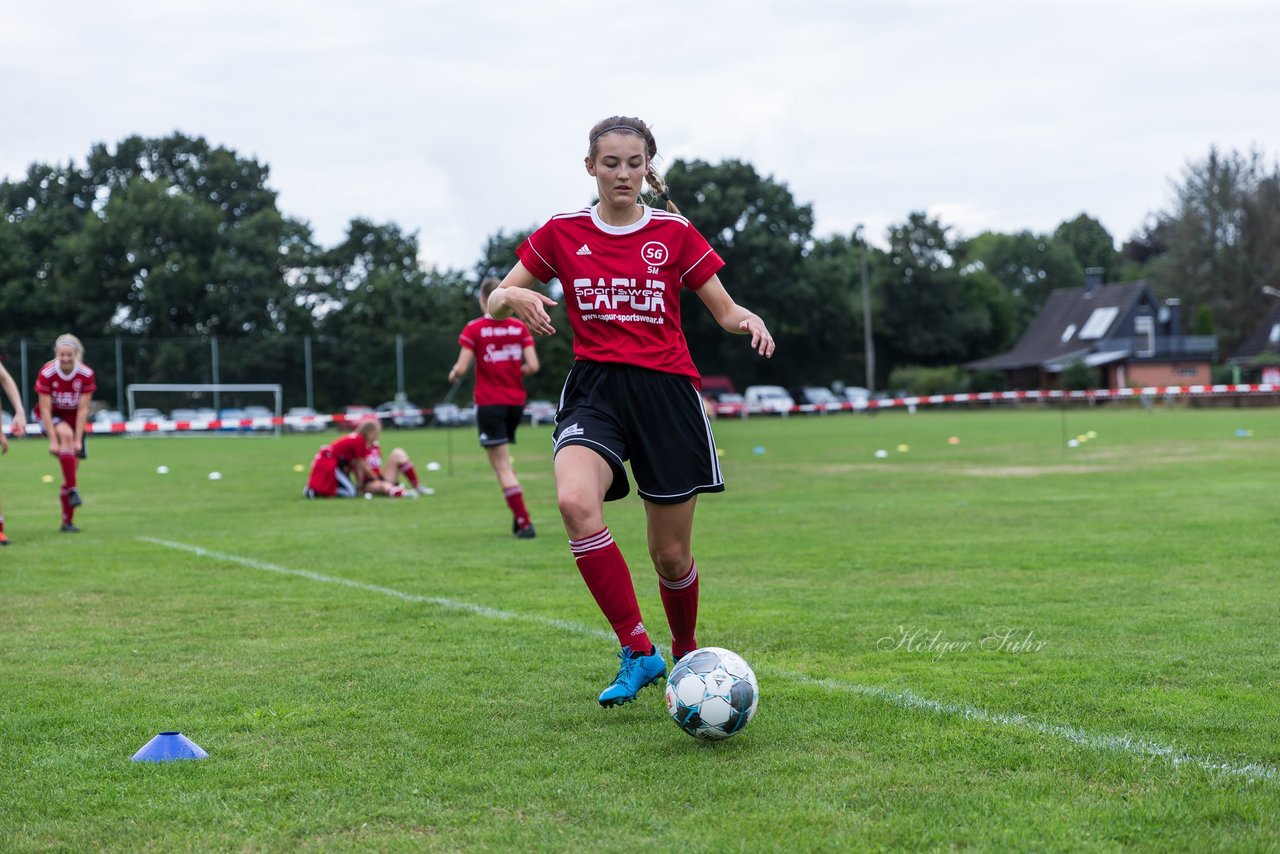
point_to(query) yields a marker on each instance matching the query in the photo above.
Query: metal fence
(322, 372)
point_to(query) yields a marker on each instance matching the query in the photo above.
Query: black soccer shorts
(497, 424)
(654, 420)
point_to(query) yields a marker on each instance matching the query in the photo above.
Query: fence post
(213, 356)
(26, 403)
(306, 360)
(400, 367)
(119, 376)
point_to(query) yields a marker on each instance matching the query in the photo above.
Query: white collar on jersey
(646, 213)
(57, 369)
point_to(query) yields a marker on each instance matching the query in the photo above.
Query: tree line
(170, 243)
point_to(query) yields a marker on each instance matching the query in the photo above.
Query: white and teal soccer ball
(712, 693)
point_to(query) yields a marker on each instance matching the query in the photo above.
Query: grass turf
(449, 703)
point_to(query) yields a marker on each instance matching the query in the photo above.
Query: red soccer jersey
(64, 390)
(499, 349)
(350, 447)
(373, 458)
(622, 284)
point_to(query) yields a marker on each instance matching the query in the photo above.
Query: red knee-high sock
(67, 510)
(605, 570)
(680, 599)
(515, 500)
(410, 475)
(67, 459)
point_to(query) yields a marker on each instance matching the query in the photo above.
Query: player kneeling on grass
(340, 466)
(386, 474)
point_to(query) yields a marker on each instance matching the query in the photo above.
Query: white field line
(906, 699)
(438, 601)
(903, 699)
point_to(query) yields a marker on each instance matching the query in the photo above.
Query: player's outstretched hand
(531, 307)
(761, 340)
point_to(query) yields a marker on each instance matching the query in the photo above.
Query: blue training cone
(169, 746)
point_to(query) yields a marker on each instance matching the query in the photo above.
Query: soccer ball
(712, 693)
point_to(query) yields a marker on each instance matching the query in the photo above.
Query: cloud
(459, 120)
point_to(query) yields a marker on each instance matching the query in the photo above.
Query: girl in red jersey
(632, 393)
(64, 390)
(504, 355)
(341, 466)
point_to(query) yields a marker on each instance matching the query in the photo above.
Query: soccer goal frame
(275, 389)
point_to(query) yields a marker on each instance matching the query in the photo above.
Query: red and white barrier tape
(874, 404)
(302, 422)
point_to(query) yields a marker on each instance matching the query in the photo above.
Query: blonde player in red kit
(64, 390)
(504, 355)
(633, 392)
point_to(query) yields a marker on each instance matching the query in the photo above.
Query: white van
(768, 398)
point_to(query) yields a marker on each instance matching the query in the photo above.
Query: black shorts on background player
(653, 419)
(497, 424)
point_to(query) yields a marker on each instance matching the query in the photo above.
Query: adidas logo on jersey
(584, 250)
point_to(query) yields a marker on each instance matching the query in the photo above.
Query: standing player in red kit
(64, 390)
(632, 393)
(504, 355)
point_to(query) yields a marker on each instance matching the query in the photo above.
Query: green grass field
(996, 644)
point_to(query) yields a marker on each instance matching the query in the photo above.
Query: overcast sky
(458, 119)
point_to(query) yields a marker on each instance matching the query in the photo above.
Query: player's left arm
(19, 425)
(460, 367)
(82, 418)
(516, 296)
(733, 317)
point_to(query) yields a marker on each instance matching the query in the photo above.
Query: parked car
(354, 414)
(401, 413)
(447, 415)
(303, 419)
(714, 385)
(258, 413)
(147, 414)
(206, 413)
(182, 415)
(730, 405)
(818, 397)
(540, 410)
(857, 395)
(231, 417)
(104, 417)
(768, 398)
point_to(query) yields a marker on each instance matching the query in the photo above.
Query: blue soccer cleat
(634, 673)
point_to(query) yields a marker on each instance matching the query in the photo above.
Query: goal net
(203, 409)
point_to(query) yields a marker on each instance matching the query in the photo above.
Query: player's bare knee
(671, 560)
(579, 512)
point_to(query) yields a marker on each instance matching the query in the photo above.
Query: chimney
(1174, 305)
(1092, 280)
